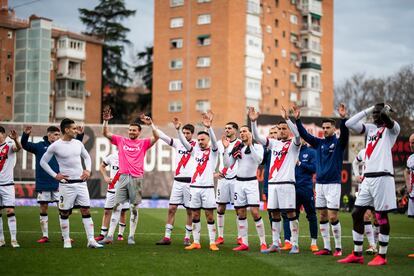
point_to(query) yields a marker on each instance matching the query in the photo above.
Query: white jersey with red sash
(113, 162)
(7, 162)
(206, 162)
(283, 161)
(228, 172)
(184, 163)
(410, 167)
(378, 154)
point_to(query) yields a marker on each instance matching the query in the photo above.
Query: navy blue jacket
(329, 153)
(266, 162)
(44, 182)
(304, 172)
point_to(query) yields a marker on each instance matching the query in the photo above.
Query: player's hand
(206, 120)
(85, 175)
(253, 114)
(27, 130)
(342, 110)
(145, 119)
(283, 113)
(13, 134)
(107, 180)
(218, 175)
(59, 177)
(176, 123)
(296, 111)
(107, 113)
(359, 178)
(225, 141)
(249, 139)
(210, 115)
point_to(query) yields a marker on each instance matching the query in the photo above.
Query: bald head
(411, 140)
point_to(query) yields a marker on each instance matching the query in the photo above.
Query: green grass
(145, 258)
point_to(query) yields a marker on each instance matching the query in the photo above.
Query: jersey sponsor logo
(280, 158)
(373, 142)
(115, 168)
(225, 169)
(3, 156)
(305, 155)
(184, 159)
(125, 147)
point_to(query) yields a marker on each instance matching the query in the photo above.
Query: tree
(144, 70)
(104, 21)
(360, 92)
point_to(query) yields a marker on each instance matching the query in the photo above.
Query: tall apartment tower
(47, 73)
(227, 55)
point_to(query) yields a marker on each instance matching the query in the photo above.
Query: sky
(370, 36)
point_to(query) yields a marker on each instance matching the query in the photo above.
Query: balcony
(313, 6)
(75, 75)
(305, 47)
(310, 65)
(76, 94)
(71, 53)
(314, 29)
(68, 107)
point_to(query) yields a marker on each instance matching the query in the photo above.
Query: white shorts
(225, 191)
(328, 196)
(281, 197)
(202, 198)
(7, 196)
(73, 194)
(411, 207)
(180, 194)
(110, 201)
(377, 192)
(246, 194)
(48, 196)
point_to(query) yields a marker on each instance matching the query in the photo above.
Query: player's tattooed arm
(253, 115)
(148, 121)
(177, 124)
(13, 135)
(106, 116)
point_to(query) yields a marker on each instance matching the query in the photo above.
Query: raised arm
(228, 159)
(344, 136)
(106, 116)
(389, 123)
(80, 129)
(24, 140)
(291, 125)
(148, 121)
(253, 115)
(310, 139)
(17, 146)
(207, 120)
(167, 139)
(355, 123)
(186, 144)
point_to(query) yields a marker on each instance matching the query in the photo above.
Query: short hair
(136, 124)
(234, 125)
(329, 120)
(203, 132)
(189, 127)
(2, 130)
(281, 122)
(65, 123)
(246, 126)
(53, 129)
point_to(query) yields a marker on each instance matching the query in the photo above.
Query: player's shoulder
(410, 159)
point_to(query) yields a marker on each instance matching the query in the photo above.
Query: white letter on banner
(162, 152)
(149, 166)
(102, 150)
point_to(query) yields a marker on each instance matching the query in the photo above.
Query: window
(203, 105)
(293, 57)
(177, 22)
(269, 29)
(293, 96)
(175, 85)
(203, 40)
(293, 2)
(276, 23)
(203, 1)
(293, 37)
(276, 62)
(276, 82)
(9, 78)
(276, 43)
(9, 34)
(176, 43)
(283, 33)
(283, 53)
(268, 70)
(304, 81)
(275, 102)
(175, 106)
(9, 55)
(176, 64)
(203, 62)
(293, 77)
(204, 19)
(277, 3)
(315, 82)
(8, 99)
(176, 3)
(293, 19)
(203, 83)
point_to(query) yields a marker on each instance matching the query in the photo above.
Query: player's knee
(64, 214)
(107, 212)
(172, 209)
(85, 212)
(9, 211)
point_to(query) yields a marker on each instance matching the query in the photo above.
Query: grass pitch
(145, 258)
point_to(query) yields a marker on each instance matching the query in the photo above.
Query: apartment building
(227, 55)
(47, 72)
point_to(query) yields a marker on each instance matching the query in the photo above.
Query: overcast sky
(371, 36)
